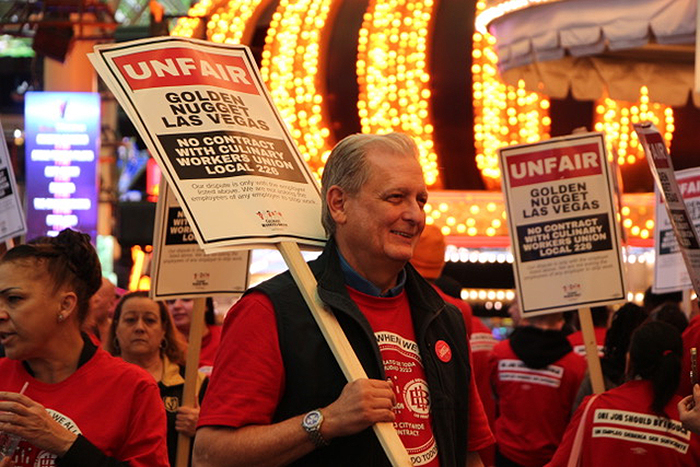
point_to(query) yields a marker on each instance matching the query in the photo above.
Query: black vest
(313, 378)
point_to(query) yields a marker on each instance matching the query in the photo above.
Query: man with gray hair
(277, 396)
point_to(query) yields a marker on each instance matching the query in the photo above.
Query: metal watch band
(317, 438)
(313, 427)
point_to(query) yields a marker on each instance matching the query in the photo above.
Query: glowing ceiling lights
(393, 77)
(394, 86)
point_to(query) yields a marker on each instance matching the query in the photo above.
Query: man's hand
(186, 420)
(361, 404)
(689, 410)
(6, 462)
(21, 416)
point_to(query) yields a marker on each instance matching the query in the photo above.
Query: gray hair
(347, 165)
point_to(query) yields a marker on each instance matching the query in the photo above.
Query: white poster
(210, 123)
(12, 221)
(670, 273)
(180, 268)
(681, 220)
(561, 219)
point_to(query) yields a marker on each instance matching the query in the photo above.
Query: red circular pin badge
(443, 351)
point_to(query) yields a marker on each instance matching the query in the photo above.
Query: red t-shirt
(248, 378)
(114, 404)
(482, 343)
(621, 431)
(576, 341)
(210, 343)
(534, 406)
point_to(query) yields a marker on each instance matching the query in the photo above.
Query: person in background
(691, 339)
(429, 260)
(617, 340)
(599, 316)
(101, 310)
(78, 406)
(654, 300)
(277, 394)
(181, 311)
(143, 333)
(637, 423)
(671, 313)
(535, 375)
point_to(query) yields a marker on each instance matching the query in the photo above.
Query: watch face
(312, 418)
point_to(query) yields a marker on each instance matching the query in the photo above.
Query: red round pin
(443, 351)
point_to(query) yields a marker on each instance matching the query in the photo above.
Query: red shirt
(621, 431)
(482, 343)
(576, 341)
(534, 406)
(210, 343)
(248, 377)
(114, 404)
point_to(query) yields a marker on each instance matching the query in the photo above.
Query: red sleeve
(248, 376)
(480, 435)
(146, 445)
(561, 456)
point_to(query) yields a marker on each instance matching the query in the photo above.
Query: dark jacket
(313, 378)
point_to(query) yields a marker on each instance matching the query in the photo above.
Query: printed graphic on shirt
(640, 428)
(482, 342)
(516, 370)
(27, 455)
(581, 350)
(403, 365)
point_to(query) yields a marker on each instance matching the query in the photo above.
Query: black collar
(89, 349)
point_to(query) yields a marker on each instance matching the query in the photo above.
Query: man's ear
(336, 199)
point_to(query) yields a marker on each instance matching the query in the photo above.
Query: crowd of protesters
(95, 378)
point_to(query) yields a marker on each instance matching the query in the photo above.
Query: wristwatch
(311, 423)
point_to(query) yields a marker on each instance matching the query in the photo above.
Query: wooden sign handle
(189, 392)
(339, 344)
(594, 370)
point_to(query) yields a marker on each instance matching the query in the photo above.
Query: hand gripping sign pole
(189, 392)
(339, 344)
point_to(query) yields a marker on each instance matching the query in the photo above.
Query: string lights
(394, 86)
(503, 115)
(392, 75)
(291, 69)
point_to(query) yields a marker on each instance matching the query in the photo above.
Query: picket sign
(189, 392)
(339, 344)
(594, 370)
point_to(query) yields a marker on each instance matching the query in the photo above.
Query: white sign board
(12, 221)
(662, 169)
(180, 268)
(561, 218)
(670, 273)
(209, 122)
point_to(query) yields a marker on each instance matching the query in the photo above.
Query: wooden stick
(339, 344)
(594, 370)
(189, 392)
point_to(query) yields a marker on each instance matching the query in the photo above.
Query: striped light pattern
(393, 77)
(503, 115)
(394, 87)
(291, 69)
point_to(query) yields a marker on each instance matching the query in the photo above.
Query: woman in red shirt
(636, 423)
